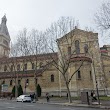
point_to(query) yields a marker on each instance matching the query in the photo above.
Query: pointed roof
(3, 27)
(76, 31)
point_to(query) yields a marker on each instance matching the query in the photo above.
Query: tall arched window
(77, 47)
(90, 75)
(52, 78)
(78, 75)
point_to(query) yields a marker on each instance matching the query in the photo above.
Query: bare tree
(63, 62)
(50, 41)
(102, 17)
(32, 44)
(10, 67)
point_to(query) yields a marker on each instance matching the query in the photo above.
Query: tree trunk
(16, 88)
(68, 91)
(16, 83)
(35, 82)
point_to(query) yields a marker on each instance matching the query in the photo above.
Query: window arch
(77, 47)
(52, 78)
(78, 75)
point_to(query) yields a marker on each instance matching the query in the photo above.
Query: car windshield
(27, 96)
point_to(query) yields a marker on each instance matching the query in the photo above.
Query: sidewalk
(75, 103)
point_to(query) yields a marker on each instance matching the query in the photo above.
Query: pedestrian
(32, 96)
(67, 95)
(94, 96)
(47, 97)
(91, 94)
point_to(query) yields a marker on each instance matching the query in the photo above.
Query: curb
(76, 105)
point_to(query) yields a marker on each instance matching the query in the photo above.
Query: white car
(23, 98)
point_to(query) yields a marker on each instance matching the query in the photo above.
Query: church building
(94, 63)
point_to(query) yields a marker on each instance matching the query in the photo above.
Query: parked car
(23, 98)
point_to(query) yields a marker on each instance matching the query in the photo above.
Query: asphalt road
(13, 105)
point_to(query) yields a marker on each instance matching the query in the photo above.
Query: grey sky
(40, 14)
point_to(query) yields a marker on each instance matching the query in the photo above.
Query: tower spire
(3, 27)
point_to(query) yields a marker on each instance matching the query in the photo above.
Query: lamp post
(26, 84)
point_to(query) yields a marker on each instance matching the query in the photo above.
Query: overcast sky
(39, 14)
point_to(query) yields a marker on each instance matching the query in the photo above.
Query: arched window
(90, 75)
(5, 68)
(78, 75)
(77, 47)
(86, 48)
(52, 78)
(11, 82)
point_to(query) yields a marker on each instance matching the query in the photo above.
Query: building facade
(82, 46)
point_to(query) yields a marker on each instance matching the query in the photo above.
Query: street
(13, 105)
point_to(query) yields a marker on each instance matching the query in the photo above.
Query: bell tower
(4, 38)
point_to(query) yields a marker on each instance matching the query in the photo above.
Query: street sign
(4, 88)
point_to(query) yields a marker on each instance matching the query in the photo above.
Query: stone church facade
(94, 73)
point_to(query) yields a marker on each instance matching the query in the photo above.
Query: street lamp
(26, 84)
